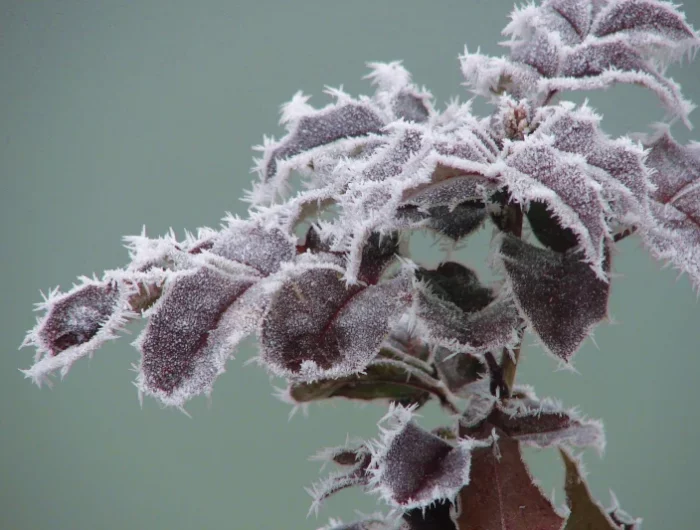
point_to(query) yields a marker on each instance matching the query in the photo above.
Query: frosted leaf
(180, 356)
(675, 204)
(377, 255)
(546, 423)
(541, 52)
(413, 468)
(622, 172)
(76, 324)
(643, 16)
(397, 95)
(317, 327)
(453, 207)
(599, 65)
(588, 45)
(545, 174)
(455, 312)
(502, 494)
(310, 129)
(577, 13)
(450, 192)
(253, 245)
(389, 161)
(357, 475)
(585, 513)
(439, 516)
(492, 76)
(558, 295)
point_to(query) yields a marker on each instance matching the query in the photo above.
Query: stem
(509, 364)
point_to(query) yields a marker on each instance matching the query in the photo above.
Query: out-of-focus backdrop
(115, 115)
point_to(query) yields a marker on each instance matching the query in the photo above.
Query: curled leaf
(317, 327)
(454, 311)
(77, 323)
(675, 236)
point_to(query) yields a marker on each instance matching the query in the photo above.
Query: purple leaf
(502, 494)
(412, 468)
(576, 13)
(559, 296)
(675, 204)
(397, 95)
(647, 16)
(310, 129)
(260, 248)
(546, 423)
(454, 311)
(617, 165)
(316, 326)
(76, 324)
(541, 173)
(587, 45)
(180, 359)
(357, 475)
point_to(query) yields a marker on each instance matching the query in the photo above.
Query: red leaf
(501, 494)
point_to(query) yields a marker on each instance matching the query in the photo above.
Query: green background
(115, 115)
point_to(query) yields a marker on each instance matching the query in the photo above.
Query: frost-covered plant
(323, 275)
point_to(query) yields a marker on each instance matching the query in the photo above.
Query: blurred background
(115, 115)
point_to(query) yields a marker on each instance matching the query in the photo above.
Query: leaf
(644, 16)
(179, 357)
(379, 381)
(675, 236)
(501, 493)
(318, 327)
(587, 45)
(559, 296)
(545, 423)
(413, 468)
(454, 311)
(616, 164)
(261, 248)
(76, 324)
(541, 173)
(453, 207)
(585, 512)
(357, 475)
(377, 254)
(397, 95)
(310, 129)
(599, 65)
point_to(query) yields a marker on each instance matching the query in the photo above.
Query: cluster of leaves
(323, 275)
